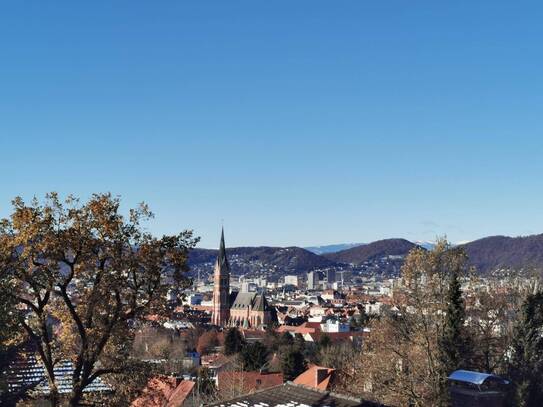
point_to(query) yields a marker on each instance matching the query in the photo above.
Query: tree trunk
(53, 396)
(76, 396)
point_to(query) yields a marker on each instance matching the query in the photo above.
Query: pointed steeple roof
(222, 261)
(260, 303)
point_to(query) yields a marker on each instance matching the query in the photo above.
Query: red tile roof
(305, 328)
(181, 393)
(248, 382)
(316, 376)
(202, 307)
(164, 391)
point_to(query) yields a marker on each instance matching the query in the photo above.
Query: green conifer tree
(254, 356)
(453, 352)
(286, 339)
(292, 363)
(233, 342)
(526, 365)
(299, 342)
(324, 342)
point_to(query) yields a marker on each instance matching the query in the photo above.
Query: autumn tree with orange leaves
(82, 276)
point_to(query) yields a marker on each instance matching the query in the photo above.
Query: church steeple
(222, 261)
(221, 288)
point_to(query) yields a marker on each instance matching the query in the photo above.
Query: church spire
(222, 261)
(221, 288)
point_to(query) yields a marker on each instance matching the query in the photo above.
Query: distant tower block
(330, 276)
(312, 280)
(221, 290)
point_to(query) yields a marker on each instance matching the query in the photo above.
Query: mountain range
(332, 248)
(246, 259)
(381, 248)
(486, 255)
(504, 252)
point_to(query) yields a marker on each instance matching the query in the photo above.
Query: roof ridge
(242, 398)
(328, 393)
(250, 394)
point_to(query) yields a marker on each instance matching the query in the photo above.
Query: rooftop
(316, 376)
(477, 378)
(247, 382)
(27, 372)
(163, 391)
(294, 395)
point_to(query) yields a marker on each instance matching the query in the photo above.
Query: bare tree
(401, 363)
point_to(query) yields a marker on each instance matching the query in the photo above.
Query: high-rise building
(330, 276)
(312, 280)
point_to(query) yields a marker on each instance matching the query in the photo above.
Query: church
(245, 310)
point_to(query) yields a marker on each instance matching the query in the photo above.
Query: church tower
(221, 288)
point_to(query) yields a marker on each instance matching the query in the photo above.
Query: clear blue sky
(297, 122)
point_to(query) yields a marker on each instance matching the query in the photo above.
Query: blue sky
(298, 123)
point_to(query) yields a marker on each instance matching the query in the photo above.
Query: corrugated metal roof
(468, 376)
(294, 395)
(26, 371)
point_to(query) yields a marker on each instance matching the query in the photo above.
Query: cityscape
(218, 337)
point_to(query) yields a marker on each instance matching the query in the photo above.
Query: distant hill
(503, 252)
(487, 254)
(380, 248)
(247, 259)
(332, 248)
(426, 244)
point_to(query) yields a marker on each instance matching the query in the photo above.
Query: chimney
(320, 374)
